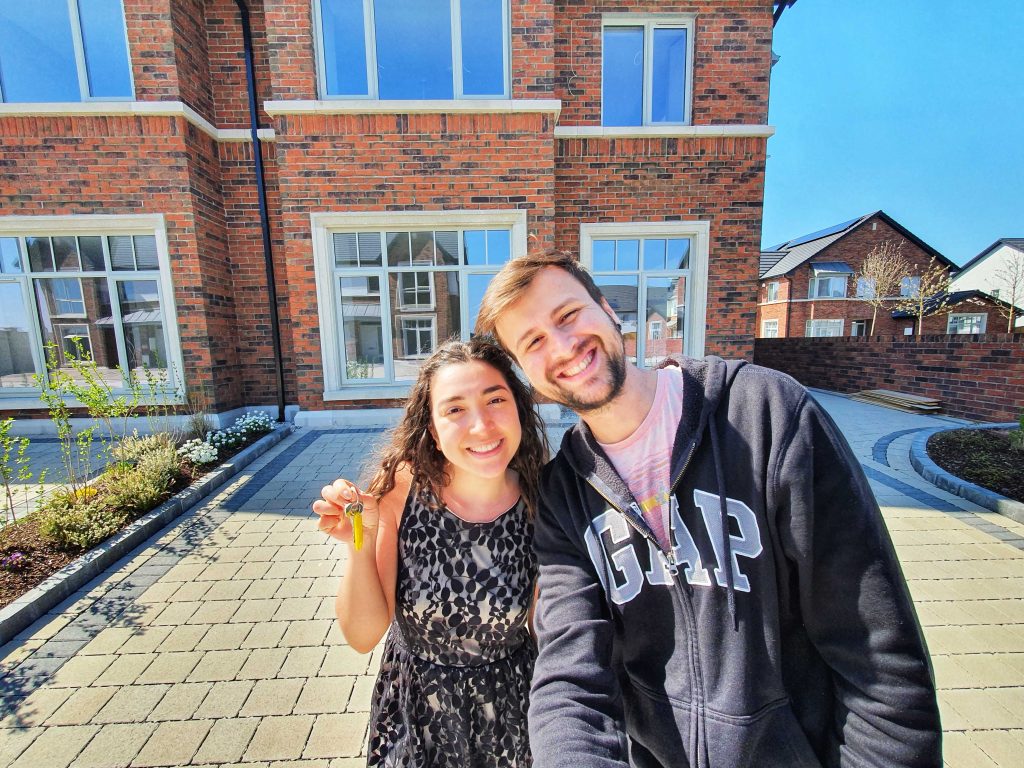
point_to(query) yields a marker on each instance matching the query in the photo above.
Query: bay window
(428, 49)
(827, 286)
(63, 50)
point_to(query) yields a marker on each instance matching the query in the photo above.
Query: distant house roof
(792, 253)
(957, 297)
(1013, 242)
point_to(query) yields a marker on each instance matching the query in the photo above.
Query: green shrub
(132, 448)
(139, 488)
(76, 524)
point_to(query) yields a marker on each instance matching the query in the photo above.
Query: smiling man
(717, 586)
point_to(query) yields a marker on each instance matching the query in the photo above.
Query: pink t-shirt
(644, 458)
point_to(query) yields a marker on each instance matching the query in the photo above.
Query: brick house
(406, 151)
(808, 286)
(998, 271)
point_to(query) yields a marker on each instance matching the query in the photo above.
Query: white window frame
(855, 324)
(322, 225)
(772, 291)
(826, 277)
(102, 225)
(834, 323)
(432, 320)
(958, 317)
(650, 22)
(912, 283)
(371, 55)
(78, 44)
(769, 329)
(417, 288)
(654, 330)
(699, 233)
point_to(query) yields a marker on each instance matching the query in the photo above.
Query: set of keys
(354, 512)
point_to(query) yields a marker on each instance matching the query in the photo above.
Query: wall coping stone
(412, 106)
(663, 131)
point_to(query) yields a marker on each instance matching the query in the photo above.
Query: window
(428, 49)
(827, 286)
(653, 276)
(865, 287)
(859, 327)
(772, 291)
(392, 286)
(645, 70)
(769, 329)
(63, 50)
(910, 287)
(83, 294)
(966, 323)
(824, 328)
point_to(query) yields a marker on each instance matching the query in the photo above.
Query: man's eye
(569, 315)
(533, 343)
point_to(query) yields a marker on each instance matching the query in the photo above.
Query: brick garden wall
(975, 377)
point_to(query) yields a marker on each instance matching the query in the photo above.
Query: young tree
(881, 272)
(1009, 281)
(932, 294)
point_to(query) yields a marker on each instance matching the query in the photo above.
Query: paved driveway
(214, 644)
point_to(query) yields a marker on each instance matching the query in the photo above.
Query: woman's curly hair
(412, 443)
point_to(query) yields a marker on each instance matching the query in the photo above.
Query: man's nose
(562, 344)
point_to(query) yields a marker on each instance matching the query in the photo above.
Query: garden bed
(984, 457)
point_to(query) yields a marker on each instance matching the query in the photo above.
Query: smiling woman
(447, 563)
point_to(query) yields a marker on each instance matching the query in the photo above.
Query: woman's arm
(366, 598)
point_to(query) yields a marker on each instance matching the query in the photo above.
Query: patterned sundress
(454, 682)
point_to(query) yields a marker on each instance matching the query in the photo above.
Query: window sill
(426, 106)
(369, 392)
(662, 131)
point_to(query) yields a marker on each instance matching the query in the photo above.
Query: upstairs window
(427, 49)
(866, 288)
(827, 286)
(772, 292)
(645, 70)
(910, 287)
(63, 50)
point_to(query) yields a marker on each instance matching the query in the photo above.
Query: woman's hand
(331, 508)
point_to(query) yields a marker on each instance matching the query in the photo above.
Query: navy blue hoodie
(778, 631)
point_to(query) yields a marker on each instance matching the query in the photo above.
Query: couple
(716, 585)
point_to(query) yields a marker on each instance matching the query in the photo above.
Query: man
(717, 585)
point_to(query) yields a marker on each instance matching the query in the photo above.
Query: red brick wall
(975, 377)
(732, 53)
(290, 49)
(227, 62)
(533, 45)
(708, 179)
(329, 163)
(151, 48)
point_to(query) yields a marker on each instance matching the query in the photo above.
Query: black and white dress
(454, 683)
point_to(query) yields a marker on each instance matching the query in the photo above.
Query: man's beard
(617, 379)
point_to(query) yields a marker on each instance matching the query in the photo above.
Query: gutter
(261, 193)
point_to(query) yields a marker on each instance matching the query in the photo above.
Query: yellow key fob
(354, 512)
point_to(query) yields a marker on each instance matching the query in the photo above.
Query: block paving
(214, 643)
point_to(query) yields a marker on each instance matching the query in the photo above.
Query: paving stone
(181, 701)
(35, 708)
(337, 736)
(131, 704)
(265, 635)
(55, 747)
(324, 695)
(227, 741)
(1005, 748)
(218, 665)
(280, 738)
(306, 632)
(263, 663)
(173, 743)
(125, 670)
(81, 707)
(215, 612)
(256, 610)
(14, 741)
(303, 662)
(224, 699)
(224, 637)
(191, 591)
(108, 641)
(341, 660)
(296, 609)
(228, 590)
(183, 638)
(272, 697)
(81, 671)
(115, 746)
(173, 667)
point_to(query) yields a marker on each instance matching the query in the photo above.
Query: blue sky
(915, 107)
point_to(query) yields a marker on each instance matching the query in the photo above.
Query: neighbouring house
(998, 271)
(809, 285)
(405, 150)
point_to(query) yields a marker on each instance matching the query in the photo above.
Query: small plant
(14, 562)
(255, 423)
(198, 452)
(13, 464)
(359, 368)
(1017, 435)
(197, 423)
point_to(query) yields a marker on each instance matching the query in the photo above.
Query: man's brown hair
(515, 277)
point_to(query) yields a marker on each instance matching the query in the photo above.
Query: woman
(446, 561)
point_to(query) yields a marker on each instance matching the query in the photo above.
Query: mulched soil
(43, 559)
(983, 457)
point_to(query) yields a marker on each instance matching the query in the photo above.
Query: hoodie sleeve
(854, 601)
(575, 714)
